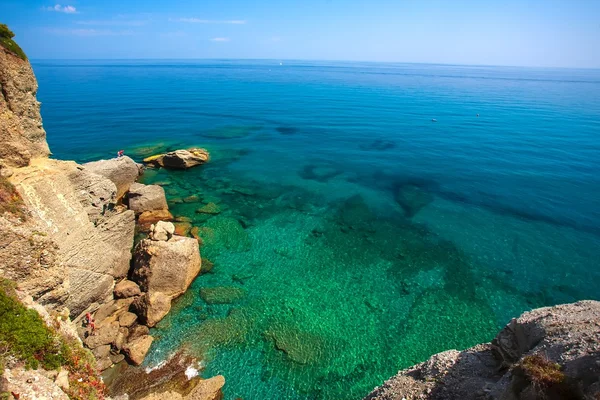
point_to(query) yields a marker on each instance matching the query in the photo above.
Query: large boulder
(547, 353)
(147, 198)
(122, 171)
(137, 349)
(180, 159)
(126, 288)
(166, 266)
(152, 307)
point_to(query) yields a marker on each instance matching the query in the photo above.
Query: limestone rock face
(126, 288)
(22, 135)
(137, 349)
(180, 159)
(30, 384)
(75, 209)
(564, 340)
(166, 267)
(121, 171)
(152, 307)
(147, 198)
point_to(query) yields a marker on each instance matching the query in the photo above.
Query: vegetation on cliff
(26, 340)
(6, 40)
(10, 200)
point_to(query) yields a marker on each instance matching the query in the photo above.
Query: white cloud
(209, 21)
(220, 39)
(62, 9)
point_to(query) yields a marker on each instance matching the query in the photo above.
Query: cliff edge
(21, 132)
(547, 353)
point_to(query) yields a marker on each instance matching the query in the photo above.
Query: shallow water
(355, 236)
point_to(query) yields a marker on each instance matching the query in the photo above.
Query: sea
(355, 218)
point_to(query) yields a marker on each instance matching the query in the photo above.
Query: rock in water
(222, 294)
(137, 349)
(167, 267)
(412, 199)
(147, 198)
(122, 171)
(180, 159)
(152, 307)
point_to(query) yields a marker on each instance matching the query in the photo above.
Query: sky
(536, 33)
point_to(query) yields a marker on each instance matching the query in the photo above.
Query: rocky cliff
(547, 353)
(21, 132)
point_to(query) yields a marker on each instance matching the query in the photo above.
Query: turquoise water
(369, 215)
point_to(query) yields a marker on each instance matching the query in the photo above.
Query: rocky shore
(70, 246)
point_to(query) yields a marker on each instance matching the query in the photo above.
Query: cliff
(21, 132)
(547, 353)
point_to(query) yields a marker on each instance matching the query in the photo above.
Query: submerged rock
(180, 159)
(210, 208)
(183, 228)
(222, 294)
(122, 171)
(148, 218)
(412, 199)
(147, 198)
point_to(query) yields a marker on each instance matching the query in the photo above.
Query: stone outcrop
(168, 267)
(87, 238)
(547, 353)
(152, 307)
(137, 349)
(179, 159)
(147, 198)
(121, 171)
(22, 135)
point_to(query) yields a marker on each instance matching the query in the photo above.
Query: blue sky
(552, 33)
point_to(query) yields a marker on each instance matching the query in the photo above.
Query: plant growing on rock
(6, 40)
(10, 200)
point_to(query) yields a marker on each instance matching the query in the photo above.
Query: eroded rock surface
(121, 171)
(147, 198)
(551, 352)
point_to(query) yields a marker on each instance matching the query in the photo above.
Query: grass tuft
(541, 371)
(6, 41)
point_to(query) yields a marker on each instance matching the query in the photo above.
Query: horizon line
(322, 61)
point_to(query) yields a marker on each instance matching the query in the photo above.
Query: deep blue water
(507, 157)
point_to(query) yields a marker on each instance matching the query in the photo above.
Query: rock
(210, 208)
(137, 349)
(76, 212)
(104, 334)
(152, 307)
(101, 351)
(183, 219)
(147, 218)
(412, 199)
(127, 319)
(166, 267)
(103, 363)
(207, 389)
(146, 198)
(180, 159)
(191, 199)
(195, 232)
(122, 338)
(29, 384)
(62, 379)
(207, 266)
(117, 358)
(121, 171)
(137, 331)
(110, 311)
(126, 288)
(222, 294)
(560, 343)
(162, 231)
(183, 228)
(21, 131)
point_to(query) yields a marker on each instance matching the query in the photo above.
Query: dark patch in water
(320, 173)
(287, 130)
(378, 145)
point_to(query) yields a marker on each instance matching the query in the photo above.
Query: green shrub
(24, 335)
(6, 41)
(10, 200)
